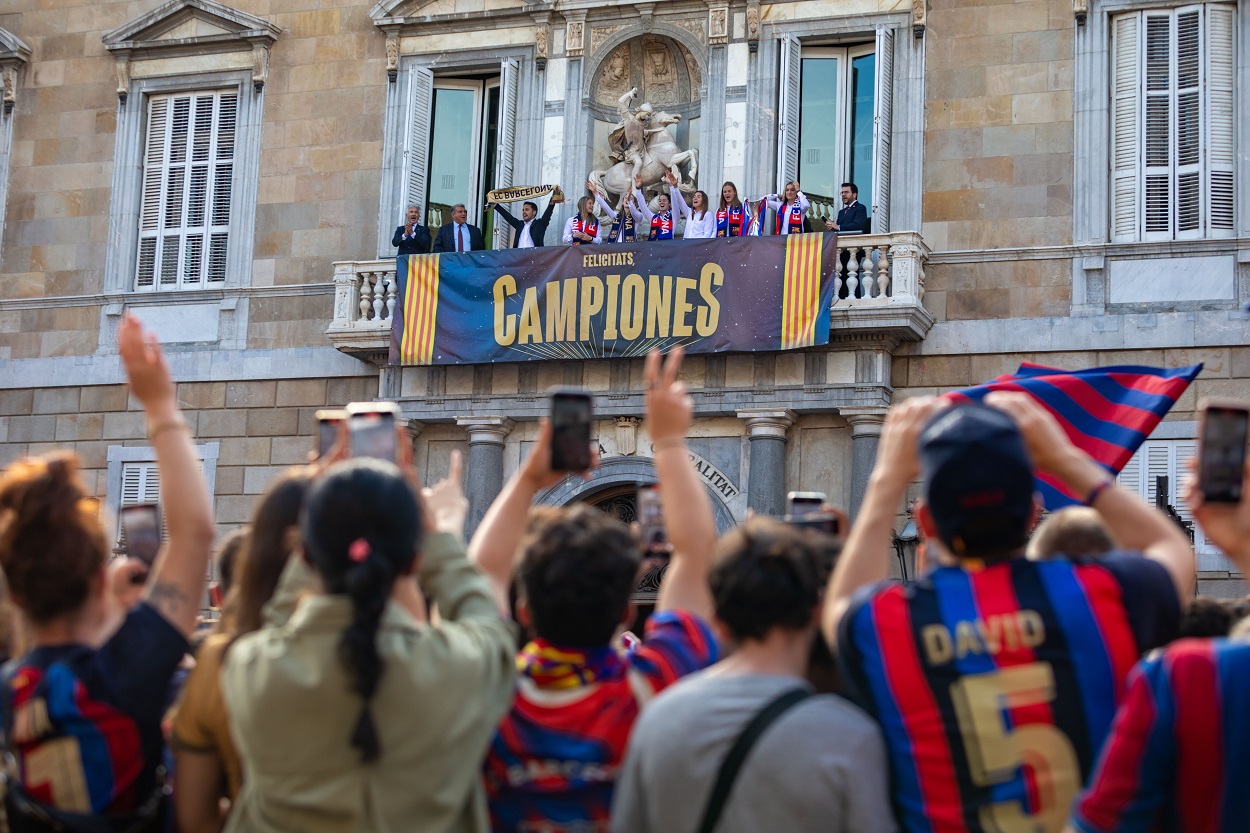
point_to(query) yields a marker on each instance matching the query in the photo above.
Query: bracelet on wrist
(177, 422)
(670, 442)
(1098, 490)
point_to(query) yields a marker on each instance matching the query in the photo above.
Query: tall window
(188, 174)
(1169, 458)
(836, 118)
(1172, 124)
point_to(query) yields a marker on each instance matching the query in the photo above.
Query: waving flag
(1107, 412)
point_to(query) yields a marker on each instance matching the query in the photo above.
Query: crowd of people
(373, 672)
(634, 219)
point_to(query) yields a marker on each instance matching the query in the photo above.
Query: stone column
(865, 434)
(484, 468)
(766, 486)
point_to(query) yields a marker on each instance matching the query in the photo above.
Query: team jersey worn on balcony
(553, 763)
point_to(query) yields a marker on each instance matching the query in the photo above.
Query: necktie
(460, 238)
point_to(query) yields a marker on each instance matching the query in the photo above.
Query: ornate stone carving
(392, 55)
(696, 77)
(616, 76)
(753, 25)
(627, 435)
(260, 65)
(600, 34)
(718, 25)
(10, 88)
(1080, 9)
(645, 148)
(574, 40)
(919, 11)
(122, 67)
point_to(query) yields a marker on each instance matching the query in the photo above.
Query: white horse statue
(657, 155)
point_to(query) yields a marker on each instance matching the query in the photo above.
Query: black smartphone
(328, 423)
(805, 510)
(570, 429)
(804, 503)
(651, 519)
(1222, 449)
(141, 531)
(371, 429)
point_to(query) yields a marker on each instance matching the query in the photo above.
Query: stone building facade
(233, 173)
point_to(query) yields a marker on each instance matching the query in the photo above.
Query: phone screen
(651, 520)
(328, 423)
(570, 431)
(1222, 456)
(372, 435)
(141, 528)
(804, 503)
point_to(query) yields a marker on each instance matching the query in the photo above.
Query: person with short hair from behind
(554, 761)
(820, 766)
(354, 715)
(1073, 530)
(83, 707)
(206, 764)
(995, 678)
(1178, 757)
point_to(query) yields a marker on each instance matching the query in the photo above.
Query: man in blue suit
(853, 216)
(458, 235)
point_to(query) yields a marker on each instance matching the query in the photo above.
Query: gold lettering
(592, 302)
(937, 644)
(992, 633)
(562, 310)
(531, 331)
(633, 297)
(967, 641)
(505, 325)
(1032, 628)
(681, 329)
(609, 327)
(708, 317)
(659, 306)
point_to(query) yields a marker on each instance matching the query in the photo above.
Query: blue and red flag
(1107, 412)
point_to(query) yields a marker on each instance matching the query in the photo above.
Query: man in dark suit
(412, 238)
(458, 235)
(853, 216)
(528, 231)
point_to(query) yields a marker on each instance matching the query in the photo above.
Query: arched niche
(667, 66)
(612, 474)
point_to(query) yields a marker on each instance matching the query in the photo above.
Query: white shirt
(568, 232)
(776, 204)
(526, 242)
(697, 228)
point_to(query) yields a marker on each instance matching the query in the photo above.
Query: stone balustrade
(874, 271)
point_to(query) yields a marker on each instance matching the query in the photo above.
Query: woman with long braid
(354, 715)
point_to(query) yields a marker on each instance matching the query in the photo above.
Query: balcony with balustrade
(878, 294)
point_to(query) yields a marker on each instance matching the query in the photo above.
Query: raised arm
(551, 206)
(507, 216)
(641, 204)
(687, 507)
(679, 203)
(498, 536)
(801, 199)
(865, 559)
(1133, 523)
(176, 585)
(607, 209)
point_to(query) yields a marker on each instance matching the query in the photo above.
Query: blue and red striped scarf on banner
(1107, 412)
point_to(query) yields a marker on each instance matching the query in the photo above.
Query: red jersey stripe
(1195, 683)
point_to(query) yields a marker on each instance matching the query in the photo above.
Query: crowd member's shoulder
(676, 643)
(1145, 588)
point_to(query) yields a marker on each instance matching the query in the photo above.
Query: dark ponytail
(361, 527)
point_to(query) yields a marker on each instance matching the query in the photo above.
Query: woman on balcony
(790, 209)
(731, 217)
(625, 221)
(700, 223)
(583, 227)
(661, 221)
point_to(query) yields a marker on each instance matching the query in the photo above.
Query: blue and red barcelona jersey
(87, 722)
(995, 688)
(553, 764)
(1178, 758)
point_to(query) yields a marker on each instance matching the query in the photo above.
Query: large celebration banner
(592, 302)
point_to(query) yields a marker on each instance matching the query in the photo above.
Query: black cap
(978, 480)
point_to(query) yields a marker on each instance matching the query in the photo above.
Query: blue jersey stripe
(1233, 660)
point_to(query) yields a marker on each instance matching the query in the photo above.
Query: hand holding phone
(1222, 449)
(141, 530)
(651, 520)
(570, 429)
(807, 510)
(371, 429)
(328, 423)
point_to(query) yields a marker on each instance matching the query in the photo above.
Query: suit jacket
(418, 244)
(538, 228)
(446, 239)
(854, 217)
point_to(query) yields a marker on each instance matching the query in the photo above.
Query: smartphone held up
(141, 532)
(570, 429)
(1223, 432)
(371, 429)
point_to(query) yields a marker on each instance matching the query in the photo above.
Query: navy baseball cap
(978, 480)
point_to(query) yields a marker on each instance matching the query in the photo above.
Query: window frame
(845, 54)
(121, 258)
(121, 457)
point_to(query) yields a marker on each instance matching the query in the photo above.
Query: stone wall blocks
(30, 429)
(339, 392)
(277, 422)
(941, 371)
(1050, 45)
(253, 394)
(1239, 361)
(257, 478)
(978, 304)
(1216, 362)
(229, 480)
(198, 395)
(223, 423)
(129, 425)
(234, 509)
(291, 451)
(302, 392)
(16, 402)
(958, 143)
(76, 427)
(246, 451)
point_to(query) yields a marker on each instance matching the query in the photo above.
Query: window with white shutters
(1172, 149)
(1170, 459)
(140, 484)
(188, 177)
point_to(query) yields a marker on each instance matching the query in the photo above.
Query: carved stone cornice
(14, 56)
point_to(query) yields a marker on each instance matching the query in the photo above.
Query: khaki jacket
(440, 699)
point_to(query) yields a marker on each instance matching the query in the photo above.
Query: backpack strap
(738, 753)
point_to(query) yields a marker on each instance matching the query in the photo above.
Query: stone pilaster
(484, 468)
(766, 485)
(865, 435)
